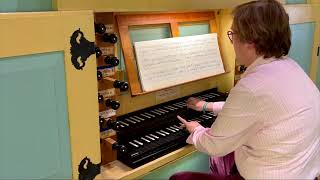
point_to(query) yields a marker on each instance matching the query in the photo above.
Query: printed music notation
(168, 62)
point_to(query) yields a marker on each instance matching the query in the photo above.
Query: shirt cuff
(217, 107)
(194, 136)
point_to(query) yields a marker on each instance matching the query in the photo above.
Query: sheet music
(168, 62)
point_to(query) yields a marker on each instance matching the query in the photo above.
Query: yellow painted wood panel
(315, 59)
(314, 1)
(144, 5)
(82, 91)
(31, 33)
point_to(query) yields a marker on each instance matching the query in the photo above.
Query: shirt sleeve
(217, 107)
(238, 120)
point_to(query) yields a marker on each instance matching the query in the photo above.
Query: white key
(145, 116)
(172, 127)
(133, 122)
(163, 110)
(150, 137)
(137, 117)
(137, 120)
(154, 112)
(160, 133)
(146, 140)
(159, 111)
(176, 126)
(133, 144)
(170, 130)
(149, 114)
(124, 123)
(154, 136)
(138, 142)
(167, 107)
(172, 107)
(164, 132)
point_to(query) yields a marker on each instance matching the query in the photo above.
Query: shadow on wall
(25, 5)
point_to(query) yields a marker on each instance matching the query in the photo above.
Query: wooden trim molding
(173, 19)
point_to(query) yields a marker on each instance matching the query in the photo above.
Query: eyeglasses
(230, 35)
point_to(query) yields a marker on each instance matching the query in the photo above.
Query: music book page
(172, 61)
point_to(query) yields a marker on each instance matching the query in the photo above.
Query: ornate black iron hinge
(91, 170)
(80, 49)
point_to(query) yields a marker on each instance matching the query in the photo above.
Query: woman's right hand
(195, 103)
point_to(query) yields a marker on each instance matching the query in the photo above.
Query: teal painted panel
(25, 5)
(34, 132)
(296, 2)
(194, 29)
(145, 33)
(198, 162)
(301, 44)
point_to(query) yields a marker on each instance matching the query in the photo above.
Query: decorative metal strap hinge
(80, 49)
(91, 170)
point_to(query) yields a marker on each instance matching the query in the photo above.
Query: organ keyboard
(147, 134)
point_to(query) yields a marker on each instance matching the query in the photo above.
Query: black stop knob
(113, 104)
(101, 121)
(113, 61)
(100, 98)
(113, 124)
(99, 75)
(120, 148)
(98, 52)
(99, 28)
(111, 38)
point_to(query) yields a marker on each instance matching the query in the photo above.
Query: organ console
(153, 132)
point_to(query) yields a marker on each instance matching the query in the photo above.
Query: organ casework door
(48, 97)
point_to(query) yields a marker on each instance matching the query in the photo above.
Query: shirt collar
(259, 61)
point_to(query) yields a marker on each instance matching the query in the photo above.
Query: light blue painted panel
(301, 44)
(144, 33)
(296, 2)
(34, 132)
(25, 5)
(147, 33)
(197, 161)
(194, 29)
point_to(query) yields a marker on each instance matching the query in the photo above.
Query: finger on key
(182, 120)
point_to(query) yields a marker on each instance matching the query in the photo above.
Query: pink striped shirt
(271, 120)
